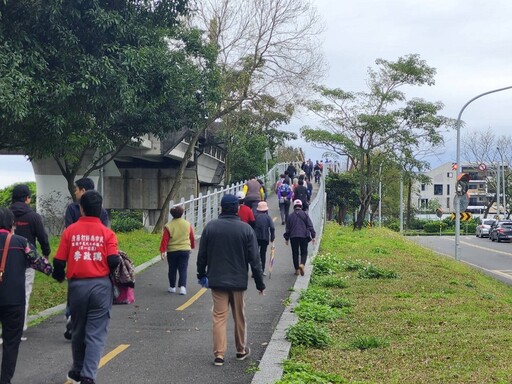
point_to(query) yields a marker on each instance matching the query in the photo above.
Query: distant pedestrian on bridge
(254, 193)
(177, 241)
(226, 249)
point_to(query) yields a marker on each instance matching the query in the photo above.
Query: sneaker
(243, 356)
(264, 273)
(301, 269)
(297, 272)
(23, 338)
(73, 377)
(86, 380)
(183, 291)
(67, 334)
(219, 361)
(171, 290)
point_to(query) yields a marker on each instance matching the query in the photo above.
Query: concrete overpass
(140, 177)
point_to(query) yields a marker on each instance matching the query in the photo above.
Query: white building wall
(441, 189)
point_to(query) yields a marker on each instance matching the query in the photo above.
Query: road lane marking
(192, 299)
(109, 356)
(476, 246)
(487, 249)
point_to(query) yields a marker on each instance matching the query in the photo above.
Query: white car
(483, 229)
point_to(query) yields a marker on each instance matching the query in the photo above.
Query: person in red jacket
(245, 213)
(86, 255)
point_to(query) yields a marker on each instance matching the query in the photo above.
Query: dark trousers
(90, 303)
(263, 244)
(253, 204)
(299, 244)
(12, 318)
(178, 263)
(284, 209)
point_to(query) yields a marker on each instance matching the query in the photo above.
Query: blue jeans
(90, 303)
(178, 263)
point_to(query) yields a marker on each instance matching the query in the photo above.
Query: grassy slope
(442, 321)
(139, 245)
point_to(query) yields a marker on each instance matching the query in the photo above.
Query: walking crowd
(88, 254)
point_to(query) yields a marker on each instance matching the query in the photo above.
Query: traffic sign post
(464, 216)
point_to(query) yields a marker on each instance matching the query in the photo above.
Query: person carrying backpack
(284, 195)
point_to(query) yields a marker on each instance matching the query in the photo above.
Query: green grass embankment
(381, 309)
(139, 245)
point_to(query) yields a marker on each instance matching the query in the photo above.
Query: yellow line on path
(192, 299)
(109, 356)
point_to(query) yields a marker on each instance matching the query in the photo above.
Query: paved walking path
(166, 338)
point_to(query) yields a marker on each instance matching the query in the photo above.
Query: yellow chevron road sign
(464, 216)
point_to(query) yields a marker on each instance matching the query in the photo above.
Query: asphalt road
(491, 257)
(166, 338)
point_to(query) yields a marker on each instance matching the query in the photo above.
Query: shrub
(433, 226)
(126, 220)
(367, 342)
(341, 302)
(330, 282)
(326, 264)
(373, 272)
(300, 373)
(309, 334)
(308, 310)
(316, 295)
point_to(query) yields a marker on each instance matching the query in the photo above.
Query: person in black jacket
(227, 247)
(73, 210)
(299, 231)
(265, 231)
(29, 224)
(71, 216)
(12, 290)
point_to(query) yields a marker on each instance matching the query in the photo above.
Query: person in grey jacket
(226, 249)
(299, 231)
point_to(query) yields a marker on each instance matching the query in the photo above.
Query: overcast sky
(467, 41)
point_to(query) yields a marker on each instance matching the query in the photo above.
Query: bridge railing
(205, 207)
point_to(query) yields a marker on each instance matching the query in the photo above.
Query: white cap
(240, 195)
(297, 202)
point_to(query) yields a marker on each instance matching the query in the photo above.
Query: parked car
(483, 229)
(501, 230)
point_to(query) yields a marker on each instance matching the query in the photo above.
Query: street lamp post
(457, 206)
(503, 181)
(498, 192)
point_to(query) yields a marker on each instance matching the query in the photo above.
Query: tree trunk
(177, 182)
(409, 206)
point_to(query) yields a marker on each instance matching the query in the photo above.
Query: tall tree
(265, 47)
(248, 131)
(380, 120)
(98, 75)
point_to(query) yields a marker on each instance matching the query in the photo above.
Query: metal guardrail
(199, 210)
